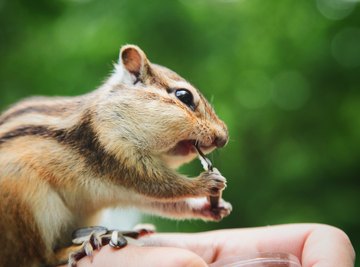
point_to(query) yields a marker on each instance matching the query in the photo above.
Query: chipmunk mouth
(186, 147)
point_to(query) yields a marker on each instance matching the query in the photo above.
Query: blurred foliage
(284, 76)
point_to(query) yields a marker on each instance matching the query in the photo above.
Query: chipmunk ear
(134, 61)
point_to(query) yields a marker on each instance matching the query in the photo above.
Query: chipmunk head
(160, 111)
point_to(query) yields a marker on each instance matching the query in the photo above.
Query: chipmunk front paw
(222, 210)
(201, 208)
(87, 239)
(212, 182)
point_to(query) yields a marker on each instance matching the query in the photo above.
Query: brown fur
(64, 159)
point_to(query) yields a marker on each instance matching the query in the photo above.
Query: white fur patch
(50, 213)
(121, 76)
(196, 203)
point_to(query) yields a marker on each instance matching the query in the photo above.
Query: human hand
(314, 245)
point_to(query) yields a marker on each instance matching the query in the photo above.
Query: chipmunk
(62, 159)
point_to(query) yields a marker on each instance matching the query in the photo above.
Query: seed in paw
(214, 191)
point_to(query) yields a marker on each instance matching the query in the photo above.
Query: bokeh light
(336, 9)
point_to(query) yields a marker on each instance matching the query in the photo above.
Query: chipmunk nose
(220, 140)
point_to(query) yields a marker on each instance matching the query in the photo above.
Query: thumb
(134, 256)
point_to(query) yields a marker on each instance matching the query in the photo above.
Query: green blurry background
(284, 75)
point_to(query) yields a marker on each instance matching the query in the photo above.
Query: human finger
(136, 256)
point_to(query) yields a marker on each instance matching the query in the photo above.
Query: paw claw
(117, 240)
(93, 238)
(88, 249)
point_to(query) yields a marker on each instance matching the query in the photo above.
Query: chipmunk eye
(186, 97)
